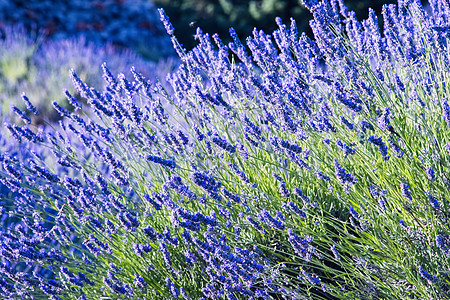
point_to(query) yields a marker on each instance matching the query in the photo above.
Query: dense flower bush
(314, 169)
(39, 67)
(125, 23)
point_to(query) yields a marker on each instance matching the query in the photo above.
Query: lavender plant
(311, 169)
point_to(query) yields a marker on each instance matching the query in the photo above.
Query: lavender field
(276, 167)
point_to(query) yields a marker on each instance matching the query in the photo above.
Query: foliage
(314, 169)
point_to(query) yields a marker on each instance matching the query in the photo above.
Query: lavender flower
(223, 144)
(347, 124)
(167, 163)
(430, 173)
(366, 126)
(382, 204)
(311, 278)
(301, 246)
(398, 151)
(297, 210)
(29, 105)
(384, 119)
(342, 174)
(349, 101)
(430, 278)
(433, 201)
(354, 213)
(173, 290)
(347, 149)
(441, 243)
(265, 217)
(21, 114)
(166, 254)
(256, 225)
(446, 111)
(239, 173)
(335, 253)
(378, 141)
(405, 191)
(165, 19)
(284, 191)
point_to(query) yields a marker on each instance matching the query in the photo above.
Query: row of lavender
(312, 169)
